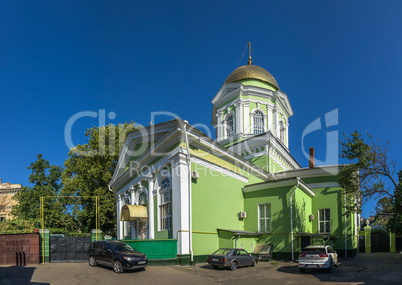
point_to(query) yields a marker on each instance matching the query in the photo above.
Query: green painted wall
(217, 200)
(258, 83)
(302, 210)
(280, 215)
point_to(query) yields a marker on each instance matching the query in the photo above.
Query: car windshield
(222, 251)
(314, 250)
(122, 247)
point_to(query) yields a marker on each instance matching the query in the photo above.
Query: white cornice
(323, 185)
(218, 168)
(279, 183)
(149, 171)
(320, 171)
(159, 147)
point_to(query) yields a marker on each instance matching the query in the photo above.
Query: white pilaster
(119, 221)
(132, 223)
(269, 118)
(132, 194)
(246, 118)
(180, 204)
(238, 122)
(151, 229)
(276, 129)
(219, 125)
(287, 134)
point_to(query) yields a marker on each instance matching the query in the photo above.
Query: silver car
(318, 257)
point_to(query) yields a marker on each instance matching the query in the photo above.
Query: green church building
(173, 183)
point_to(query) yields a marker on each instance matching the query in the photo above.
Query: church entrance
(141, 229)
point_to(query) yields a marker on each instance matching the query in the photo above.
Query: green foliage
(17, 226)
(66, 232)
(370, 172)
(385, 205)
(88, 172)
(46, 182)
(395, 223)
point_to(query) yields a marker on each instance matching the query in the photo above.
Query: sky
(66, 66)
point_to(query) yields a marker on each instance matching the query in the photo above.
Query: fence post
(96, 235)
(392, 242)
(44, 246)
(367, 235)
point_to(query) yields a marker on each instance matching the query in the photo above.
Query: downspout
(291, 219)
(190, 223)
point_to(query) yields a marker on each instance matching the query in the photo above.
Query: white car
(317, 257)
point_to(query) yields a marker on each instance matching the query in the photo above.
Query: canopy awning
(240, 233)
(133, 212)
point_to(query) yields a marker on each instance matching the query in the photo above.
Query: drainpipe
(291, 218)
(190, 223)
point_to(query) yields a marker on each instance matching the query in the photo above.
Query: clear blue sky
(59, 58)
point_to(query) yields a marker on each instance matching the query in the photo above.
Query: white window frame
(165, 205)
(325, 222)
(230, 126)
(264, 219)
(258, 122)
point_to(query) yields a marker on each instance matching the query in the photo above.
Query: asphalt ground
(375, 268)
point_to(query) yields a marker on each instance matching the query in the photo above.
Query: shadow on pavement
(18, 275)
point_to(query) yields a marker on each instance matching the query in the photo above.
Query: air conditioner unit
(195, 174)
(242, 215)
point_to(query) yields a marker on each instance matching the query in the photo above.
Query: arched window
(142, 198)
(282, 131)
(258, 120)
(229, 126)
(165, 205)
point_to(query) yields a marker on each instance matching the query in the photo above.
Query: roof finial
(250, 61)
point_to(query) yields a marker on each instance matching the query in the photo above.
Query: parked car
(318, 257)
(231, 258)
(116, 254)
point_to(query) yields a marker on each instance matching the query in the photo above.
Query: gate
(69, 249)
(19, 249)
(362, 244)
(379, 242)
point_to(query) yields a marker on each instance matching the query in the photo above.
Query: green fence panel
(156, 249)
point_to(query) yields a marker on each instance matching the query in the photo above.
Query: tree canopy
(88, 172)
(371, 173)
(46, 180)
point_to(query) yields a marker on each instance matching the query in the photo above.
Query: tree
(371, 173)
(88, 172)
(384, 206)
(46, 182)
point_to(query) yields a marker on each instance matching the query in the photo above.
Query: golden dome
(251, 72)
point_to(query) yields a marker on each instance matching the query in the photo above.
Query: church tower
(251, 115)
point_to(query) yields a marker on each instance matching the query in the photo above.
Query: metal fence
(19, 249)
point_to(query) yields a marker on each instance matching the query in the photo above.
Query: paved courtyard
(376, 268)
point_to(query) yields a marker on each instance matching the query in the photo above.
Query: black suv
(116, 254)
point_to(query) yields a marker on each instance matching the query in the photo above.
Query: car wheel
(254, 263)
(92, 261)
(117, 267)
(329, 269)
(233, 266)
(302, 270)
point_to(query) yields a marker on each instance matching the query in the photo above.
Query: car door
(243, 257)
(105, 253)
